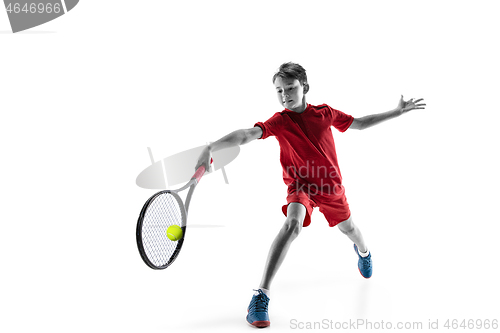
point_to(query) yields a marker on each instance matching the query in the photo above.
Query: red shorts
(334, 207)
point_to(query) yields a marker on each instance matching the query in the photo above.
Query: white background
(83, 96)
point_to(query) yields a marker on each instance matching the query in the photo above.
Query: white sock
(266, 291)
(364, 254)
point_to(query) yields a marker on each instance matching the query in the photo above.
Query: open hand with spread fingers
(411, 104)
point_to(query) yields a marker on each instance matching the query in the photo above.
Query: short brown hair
(290, 70)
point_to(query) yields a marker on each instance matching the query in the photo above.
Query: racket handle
(200, 172)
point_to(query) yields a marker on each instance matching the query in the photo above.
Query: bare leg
(296, 213)
(351, 230)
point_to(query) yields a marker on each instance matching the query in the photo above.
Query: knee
(348, 229)
(292, 226)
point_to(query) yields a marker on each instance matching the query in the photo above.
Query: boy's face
(291, 94)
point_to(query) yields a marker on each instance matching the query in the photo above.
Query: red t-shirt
(308, 155)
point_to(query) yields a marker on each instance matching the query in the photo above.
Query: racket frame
(184, 213)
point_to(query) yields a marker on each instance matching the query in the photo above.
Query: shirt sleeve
(272, 126)
(340, 120)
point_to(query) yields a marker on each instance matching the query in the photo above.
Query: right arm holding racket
(236, 138)
(166, 210)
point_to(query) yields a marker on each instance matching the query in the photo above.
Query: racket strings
(162, 212)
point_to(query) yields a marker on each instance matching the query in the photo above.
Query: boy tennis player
(310, 170)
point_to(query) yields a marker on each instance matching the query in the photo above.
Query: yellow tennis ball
(174, 232)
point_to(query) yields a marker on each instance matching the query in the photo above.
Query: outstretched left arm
(374, 119)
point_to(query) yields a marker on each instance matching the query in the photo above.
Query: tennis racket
(161, 211)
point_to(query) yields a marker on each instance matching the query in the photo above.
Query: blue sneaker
(257, 310)
(364, 264)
